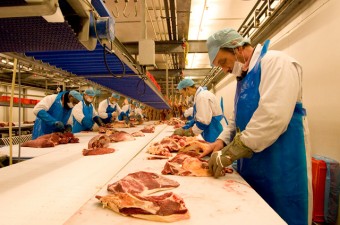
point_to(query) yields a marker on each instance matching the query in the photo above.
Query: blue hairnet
(76, 95)
(115, 95)
(226, 38)
(187, 82)
(90, 92)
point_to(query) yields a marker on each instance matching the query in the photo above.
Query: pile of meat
(176, 143)
(187, 164)
(176, 122)
(98, 145)
(51, 140)
(130, 197)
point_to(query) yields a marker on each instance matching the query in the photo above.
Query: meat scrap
(148, 129)
(51, 140)
(167, 207)
(98, 145)
(143, 183)
(187, 164)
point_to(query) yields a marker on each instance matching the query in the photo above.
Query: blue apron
(88, 113)
(58, 112)
(213, 130)
(109, 110)
(279, 172)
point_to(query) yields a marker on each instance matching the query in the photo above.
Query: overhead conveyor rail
(76, 46)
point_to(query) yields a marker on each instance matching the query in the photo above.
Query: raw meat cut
(98, 151)
(187, 164)
(197, 146)
(148, 129)
(51, 140)
(167, 207)
(98, 145)
(99, 141)
(143, 183)
(138, 134)
(121, 136)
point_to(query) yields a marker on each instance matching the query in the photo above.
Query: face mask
(89, 99)
(237, 69)
(70, 105)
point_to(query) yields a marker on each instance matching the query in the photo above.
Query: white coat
(78, 114)
(207, 106)
(103, 106)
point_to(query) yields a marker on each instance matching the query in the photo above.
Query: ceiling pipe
(173, 20)
(167, 16)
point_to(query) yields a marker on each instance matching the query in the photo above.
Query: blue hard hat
(76, 95)
(187, 82)
(90, 92)
(226, 38)
(115, 95)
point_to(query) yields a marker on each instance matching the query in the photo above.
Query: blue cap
(115, 95)
(187, 82)
(226, 38)
(76, 95)
(90, 92)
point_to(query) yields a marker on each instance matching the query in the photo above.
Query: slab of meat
(99, 141)
(187, 164)
(121, 136)
(51, 140)
(143, 183)
(148, 129)
(197, 146)
(168, 207)
(98, 145)
(118, 124)
(98, 151)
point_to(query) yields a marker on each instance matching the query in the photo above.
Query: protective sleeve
(102, 109)
(188, 112)
(77, 112)
(125, 108)
(279, 90)
(44, 104)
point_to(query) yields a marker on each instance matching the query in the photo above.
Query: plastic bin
(319, 170)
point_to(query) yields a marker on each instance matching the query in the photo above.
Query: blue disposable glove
(47, 118)
(87, 123)
(59, 125)
(98, 121)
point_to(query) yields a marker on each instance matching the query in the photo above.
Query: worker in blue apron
(53, 113)
(208, 116)
(270, 142)
(108, 109)
(124, 115)
(84, 114)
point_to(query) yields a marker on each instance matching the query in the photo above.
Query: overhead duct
(22, 31)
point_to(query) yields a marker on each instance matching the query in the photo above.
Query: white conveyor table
(51, 187)
(227, 200)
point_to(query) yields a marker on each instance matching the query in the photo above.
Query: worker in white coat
(209, 120)
(109, 109)
(84, 114)
(125, 111)
(53, 113)
(272, 144)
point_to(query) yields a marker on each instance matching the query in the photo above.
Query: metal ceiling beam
(168, 47)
